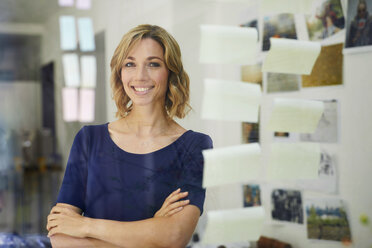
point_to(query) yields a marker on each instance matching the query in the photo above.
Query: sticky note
(70, 103)
(294, 160)
(228, 45)
(286, 6)
(86, 34)
(71, 70)
(83, 4)
(88, 65)
(67, 32)
(295, 115)
(66, 3)
(291, 56)
(234, 225)
(231, 100)
(86, 106)
(234, 164)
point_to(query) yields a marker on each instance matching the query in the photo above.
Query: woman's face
(144, 73)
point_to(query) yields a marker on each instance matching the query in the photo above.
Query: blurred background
(38, 120)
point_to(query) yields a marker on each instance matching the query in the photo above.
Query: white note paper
(86, 34)
(88, 65)
(70, 103)
(231, 100)
(291, 56)
(294, 161)
(71, 71)
(286, 6)
(295, 115)
(235, 164)
(228, 45)
(67, 32)
(234, 225)
(86, 106)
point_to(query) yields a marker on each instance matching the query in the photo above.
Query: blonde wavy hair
(177, 96)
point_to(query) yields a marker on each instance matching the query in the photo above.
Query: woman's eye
(154, 64)
(129, 64)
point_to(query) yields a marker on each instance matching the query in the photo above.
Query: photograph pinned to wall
(327, 181)
(327, 220)
(327, 69)
(327, 129)
(250, 132)
(278, 26)
(359, 25)
(286, 205)
(327, 19)
(251, 195)
(252, 73)
(282, 82)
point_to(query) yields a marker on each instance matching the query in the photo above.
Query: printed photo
(250, 132)
(281, 82)
(287, 206)
(252, 73)
(359, 23)
(251, 195)
(278, 26)
(327, 180)
(327, 69)
(327, 130)
(327, 220)
(326, 19)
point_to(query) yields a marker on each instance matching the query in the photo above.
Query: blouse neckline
(143, 154)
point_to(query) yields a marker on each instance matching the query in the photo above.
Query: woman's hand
(64, 220)
(171, 204)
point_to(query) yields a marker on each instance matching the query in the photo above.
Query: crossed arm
(170, 227)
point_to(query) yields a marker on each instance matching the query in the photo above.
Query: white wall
(182, 19)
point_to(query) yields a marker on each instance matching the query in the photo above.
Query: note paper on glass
(88, 71)
(228, 45)
(295, 115)
(231, 100)
(235, 164)
(67, 32)
(286, 6)
(294, 161)
(291, 56)
(86, 106)
(70, 103)
(71, 69)
(86, 34)
(234, 225)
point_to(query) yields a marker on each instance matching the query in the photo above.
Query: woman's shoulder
(87, 132)
(197, 140)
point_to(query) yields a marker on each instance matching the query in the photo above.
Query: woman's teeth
(141, 89)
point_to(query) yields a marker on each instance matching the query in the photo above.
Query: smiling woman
(137, 180)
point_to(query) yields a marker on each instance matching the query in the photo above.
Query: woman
(131, 177)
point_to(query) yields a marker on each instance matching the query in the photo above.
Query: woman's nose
(141, 73)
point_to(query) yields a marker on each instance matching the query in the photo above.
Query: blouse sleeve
(192, 173)
(73, 186)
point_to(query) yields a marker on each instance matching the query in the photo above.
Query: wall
(182, 19)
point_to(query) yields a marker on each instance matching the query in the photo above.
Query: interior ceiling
(27, 11)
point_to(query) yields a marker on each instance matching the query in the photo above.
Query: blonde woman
(137, 180)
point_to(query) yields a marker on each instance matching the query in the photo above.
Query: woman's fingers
(175, 198)
(174, 206)
(176, 210)
(173, 193)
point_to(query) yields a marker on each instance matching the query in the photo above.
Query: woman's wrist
(88, 227)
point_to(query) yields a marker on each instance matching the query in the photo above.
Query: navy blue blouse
(107, 182)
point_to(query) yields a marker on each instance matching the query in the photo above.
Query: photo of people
(282, 82)
(327, 220)
(359, 23)
(287, 206)
(326, 19)
(278, 26)
(251, 195)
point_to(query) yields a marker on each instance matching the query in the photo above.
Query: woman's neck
(145, 121)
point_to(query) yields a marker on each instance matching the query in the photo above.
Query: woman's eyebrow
(154, 57)
(130, 57)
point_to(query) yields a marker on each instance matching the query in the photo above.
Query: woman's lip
(142, 90)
